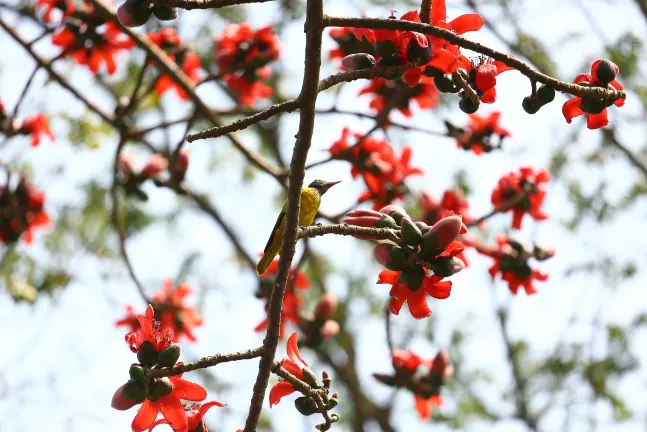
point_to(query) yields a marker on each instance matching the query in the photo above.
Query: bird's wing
(276, 228)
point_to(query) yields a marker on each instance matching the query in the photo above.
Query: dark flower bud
(606, 71)
(137, 372)
(468, 106)
(542, 254)
(423, 227)
(417, 54)
(169, 355)
(446, 266)
(165, 13)
(134, 13)
(413, 277)
(147, 354)
(385, 48)
(395, 61)
(441, 366)
(590, 106)
(386, 222)
(523, 271)
(305, 405)
(158, 388)
(135, 390)
(431, 71)
(445, 84)
(545, 94)
(398, 259)
(326, 306)
(411, 234)
(358, 61)
(530, 105)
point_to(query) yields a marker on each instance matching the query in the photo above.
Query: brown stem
(206, 362)
(597, 93)
(349, 230)
(205, 4)
(308, 98)
(425, 11)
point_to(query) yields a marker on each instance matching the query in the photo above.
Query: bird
(310, 201)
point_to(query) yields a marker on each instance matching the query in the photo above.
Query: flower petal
(145, 417)
(293, 350)
(187, 390)
(174, 413)
(417, 301)
(444, 61)
(438, 11)
(423, 407)
(466, 23)
(571, 109)
(280, 390)
(596, 121)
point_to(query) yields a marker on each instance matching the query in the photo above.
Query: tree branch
(205, 4)
(308, 98)
(349, 230)
(206, 362)
(525, 69)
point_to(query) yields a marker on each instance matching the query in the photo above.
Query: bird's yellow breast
(310, 200)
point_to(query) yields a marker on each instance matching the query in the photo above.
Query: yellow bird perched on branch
(310, 200)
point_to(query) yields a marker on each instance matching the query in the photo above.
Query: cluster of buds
(135, 13)
(540, 97)
(481, 135)
(22, 209)
(524, 190)
(422, 248)
(243, 56)
(603, 75)
(511, 260)
(132, 180)
(423, 378)
(306, 405)
(320, 326)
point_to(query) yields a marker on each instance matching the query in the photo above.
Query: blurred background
(570, 358)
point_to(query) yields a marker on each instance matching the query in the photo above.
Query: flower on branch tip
(526, 183)
(194, 416)
(416, 299)
(295, 365)
(603, 74)
(481, 75)
(155, 165)
(149, 330)
(480, 133)
(37, 125)
(239, 48)
(177, 318)
(22, 211)
(90, 46)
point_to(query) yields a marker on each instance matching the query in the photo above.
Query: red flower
(292, 302)
(249, 91)
(190, 66)
(241, 48)
(194, 415)
(89, 46)
(596, 111)
(479, 133)
(176, 317)
(511, 260)
(296, 278)
(526, 181)
(383, 93)
(425, 405)
(166, 38)
(155, 165)
(293, 364)
(407, 361)
(21, 212)
(348, 43)
(149, 330)
(130, 320)
(460, 25)
(49, 6)
(37, 125)
(170, 406)
(417, 300)
(482, 73)
(453, 200)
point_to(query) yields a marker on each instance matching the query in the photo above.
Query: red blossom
(482, 72)
(479, 133)
(21, 212)
(241, 48)
(194, 416)
(525, 181)
(248, 91)
(149, 330)
(416, 299)
(37, 125)
(348, 43)
(383, 92)
(87, 45)
(129, 320)
(595, 111)
(190, 65)
(177, 318)
(66, 7)
(294, 364)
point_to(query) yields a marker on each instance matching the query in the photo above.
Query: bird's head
(322, 186)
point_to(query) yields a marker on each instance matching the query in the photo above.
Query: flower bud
(397, 213)
(169, 355)
(398, 259)
(545, 94)
(381, 253)
(333, 401)
(423, 227)
(305, 405)
(413, 277)
(181, 164)
(330, 329)
(386, 222)
(126, 163)
(385, 48)
(358, 61)
(147, 354)
(121, 402)
(156, 164)
(417, 54)
(326, 306)
(441, 365)
(446, 266)
(441, 234)
(137, 372)
(606, 71)
(158, 388)
(590, 106)
(530, 105)
(411, 234)
(134, 13)
(542, 254)
(445, 84)
(135, 390)
(468, 106)
(165, 13)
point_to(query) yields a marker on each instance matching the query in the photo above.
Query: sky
(67, 358)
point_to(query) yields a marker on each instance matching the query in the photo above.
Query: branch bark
(206, 362)
(205, 4)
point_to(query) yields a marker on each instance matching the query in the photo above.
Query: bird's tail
(264, 263)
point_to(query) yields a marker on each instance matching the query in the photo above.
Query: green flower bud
(413, 277)
(467, 106)
(423, 227)
(305, 405)
(136, 390)
(159, 387)
(545, 94)
(169, 355)
(137, 372)
(530, 105)
(398, 259)
(445, 84)
(445, 266)
(147, 354)
(386, 222)
(411, 234)
(134, 13)
(385, 48)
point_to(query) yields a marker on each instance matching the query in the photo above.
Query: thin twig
(21, 98)
(206, 362)
(349, 230)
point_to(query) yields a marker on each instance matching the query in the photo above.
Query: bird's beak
(328, 185)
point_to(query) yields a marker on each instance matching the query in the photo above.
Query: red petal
(571, 109)
(423, 406)
(583, 77)
(187, 390)
(174, 413)
(596, 121)
(207, 406)
(501, 67)
(395, 304)
(444, 61)
(156, 423)
(517, 216)
(412, 76)
(438, 11)
(280, 390)
(440, 290)
(388, 277)
(293, 350)
(418, 306)
(411, 16)
(486, 76)
(466, 23)
(145, 417)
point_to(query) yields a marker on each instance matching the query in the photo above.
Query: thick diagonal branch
(205, 4)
